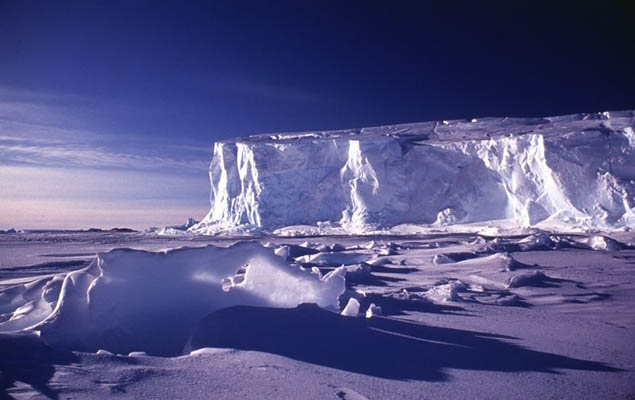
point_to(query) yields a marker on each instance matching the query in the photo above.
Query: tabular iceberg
(576, 170)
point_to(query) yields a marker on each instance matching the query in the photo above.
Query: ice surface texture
(132, 300)
(576, 170)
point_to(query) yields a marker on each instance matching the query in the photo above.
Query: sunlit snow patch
(131, 300)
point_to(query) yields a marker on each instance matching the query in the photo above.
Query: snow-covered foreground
(445, 315)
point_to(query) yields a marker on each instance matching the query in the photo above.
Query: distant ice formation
(174, 230)
(572, 171)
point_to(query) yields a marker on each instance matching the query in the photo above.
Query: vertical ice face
(375, 182)
(572, 170)
(363, 183)
(235, 185)
(273, 184)
(526, 186)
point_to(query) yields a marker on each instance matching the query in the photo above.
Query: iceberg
(571, 171)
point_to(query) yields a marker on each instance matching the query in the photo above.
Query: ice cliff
(576, 170)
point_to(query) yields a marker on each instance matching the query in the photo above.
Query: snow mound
(604, 243)
(442, 259)
(293, 251)
(131, 300)
(358, 272)
(572, 172)
(446, 292)
(335, 258)
(533, 278)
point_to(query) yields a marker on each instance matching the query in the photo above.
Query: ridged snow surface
(128, 300)
(576, 170)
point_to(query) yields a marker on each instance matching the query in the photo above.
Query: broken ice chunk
(446, 292)
(373, 310)
(352, 308)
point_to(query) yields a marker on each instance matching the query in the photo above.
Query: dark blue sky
(219, 69)
(147, 86)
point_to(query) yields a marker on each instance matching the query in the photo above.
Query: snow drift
(576, 170)
(132, 300)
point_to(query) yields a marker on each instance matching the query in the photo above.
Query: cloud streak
(34, 131)
(22, 151)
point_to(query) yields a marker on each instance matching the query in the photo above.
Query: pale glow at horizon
(57, 198)
(68, 214)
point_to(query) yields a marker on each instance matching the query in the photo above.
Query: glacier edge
(573, 171)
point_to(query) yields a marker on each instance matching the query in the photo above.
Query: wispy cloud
(36, 130)
(56, 154)
(27, 96)
(39, 108)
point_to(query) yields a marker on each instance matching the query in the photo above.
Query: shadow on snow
(25, 358)
(381, 347)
